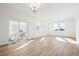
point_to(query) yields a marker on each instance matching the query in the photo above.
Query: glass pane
(62, 26)
(13, 30)
(56, 27)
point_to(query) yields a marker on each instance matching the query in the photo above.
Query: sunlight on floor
(60, 39)
(66, 40)
(42, 38)
(24, 45)
(71, 40)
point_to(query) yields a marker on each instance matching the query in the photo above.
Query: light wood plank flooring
(43, 46)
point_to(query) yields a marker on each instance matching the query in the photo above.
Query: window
(13, 29)
(17, 30)
(59, 26)
(56, 27)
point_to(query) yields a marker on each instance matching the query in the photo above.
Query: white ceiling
(49, 11)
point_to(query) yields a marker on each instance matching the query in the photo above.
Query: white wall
(70, 29)
(3, 31)
(33, 32)
(77, 30)
(7, 13)
(22, 12)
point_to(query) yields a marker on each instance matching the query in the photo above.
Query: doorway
(17, 31)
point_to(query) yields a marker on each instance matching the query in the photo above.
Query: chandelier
(35, 7)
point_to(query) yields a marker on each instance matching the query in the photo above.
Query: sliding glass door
(17, 30)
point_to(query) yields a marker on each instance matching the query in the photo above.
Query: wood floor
(43, 46)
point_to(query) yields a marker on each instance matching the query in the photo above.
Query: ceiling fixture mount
(35, 7)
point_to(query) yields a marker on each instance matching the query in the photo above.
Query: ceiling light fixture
(35, 7)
